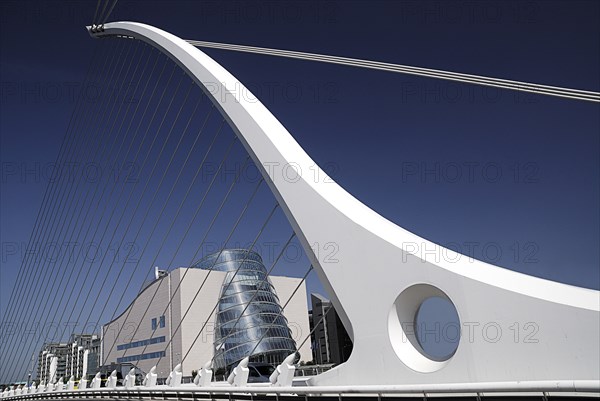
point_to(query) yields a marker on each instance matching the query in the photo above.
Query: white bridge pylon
(381, 273)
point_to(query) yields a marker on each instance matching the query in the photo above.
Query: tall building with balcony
(52, 361)
(79, 358)
(83, 360)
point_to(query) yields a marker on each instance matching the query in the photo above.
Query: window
(154, 325)
(162, 321)
(151, 355)
(141, 343)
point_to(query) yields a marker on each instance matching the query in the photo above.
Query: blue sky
(507, 178)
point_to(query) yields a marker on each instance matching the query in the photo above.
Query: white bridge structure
(400, 271)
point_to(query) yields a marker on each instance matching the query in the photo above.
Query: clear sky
(507, 178)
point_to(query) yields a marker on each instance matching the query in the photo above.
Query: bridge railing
(543, 390)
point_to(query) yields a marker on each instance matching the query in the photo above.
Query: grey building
(52, 361)
(79, 357)
(85, 355)
(330, 340)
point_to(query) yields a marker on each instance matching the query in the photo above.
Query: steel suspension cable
(100, 19)
(231, 331)
(50, 188)
(96, 12)
(151, 97)
(173, 186)
(103, 147)
(210, 186)
(109, 12)
(192, 220)
(151, 202)
(570, 93)
(258, 235)
(53, 223)
(315, 326)
(96, 187)
(282, 309)
(137, 130)
(76, 117)
(48, 193)
(89, 225)
(132, 191)
(73, 190)
(52, 272)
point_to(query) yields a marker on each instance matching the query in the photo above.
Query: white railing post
(96, 381)
(112, 380)
(130, 379)
(150, 379)
(174, 379)
(204, 376)
(284, 373)
(239, 375)
(71, 383)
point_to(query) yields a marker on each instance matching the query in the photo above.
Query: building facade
(84, 359)
(52, 362)
(79, 358)
(163, 336)
(330, 341)
(250, 320)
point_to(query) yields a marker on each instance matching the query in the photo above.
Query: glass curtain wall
(249, 311)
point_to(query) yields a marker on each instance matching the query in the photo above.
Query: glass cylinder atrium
(249, 316)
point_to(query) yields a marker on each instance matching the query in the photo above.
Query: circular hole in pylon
(437, 328)
(417, 347)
